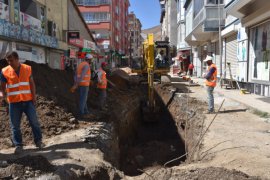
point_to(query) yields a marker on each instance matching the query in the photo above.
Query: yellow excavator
(153, 68)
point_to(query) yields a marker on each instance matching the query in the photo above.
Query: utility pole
(220, 39)
(129, 64)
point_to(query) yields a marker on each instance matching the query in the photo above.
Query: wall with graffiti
(18, 32)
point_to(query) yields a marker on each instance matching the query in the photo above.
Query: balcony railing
(209, 17)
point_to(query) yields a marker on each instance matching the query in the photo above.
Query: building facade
(240, 40)
(135, 39)
(253, 44)
(183, 58)
(168, 21)
(108, 21)
(203, 22)
(38, 30)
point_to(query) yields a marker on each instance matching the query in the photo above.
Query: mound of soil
(25, 167)
(198, 174)
(120, 78)
(54, 85)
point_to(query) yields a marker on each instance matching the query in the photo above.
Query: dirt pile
(196, 174)
(54, 85)
(25, 167)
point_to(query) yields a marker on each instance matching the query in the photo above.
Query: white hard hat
(88, 56)
(208, 58)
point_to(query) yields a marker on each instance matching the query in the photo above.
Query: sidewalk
(252, 101)
(236, 138)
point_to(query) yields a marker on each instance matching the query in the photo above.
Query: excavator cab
(162, 56)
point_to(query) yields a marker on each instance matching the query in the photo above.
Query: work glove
(73, 88)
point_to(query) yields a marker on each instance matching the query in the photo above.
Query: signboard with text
(73, 35)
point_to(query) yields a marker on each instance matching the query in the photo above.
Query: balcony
(206, 24)
(209, 18)
(234, 7)
(249, 12)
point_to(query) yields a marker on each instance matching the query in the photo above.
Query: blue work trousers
(210, 98)
(83, 91)
(15, 113)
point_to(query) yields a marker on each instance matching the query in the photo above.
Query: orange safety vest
(18, 88)
(103, 83)
(212, 81)
(85, 81)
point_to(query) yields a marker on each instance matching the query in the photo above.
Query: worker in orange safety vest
(82, 82)
(210, 82)
(20, 93)
(102, 86)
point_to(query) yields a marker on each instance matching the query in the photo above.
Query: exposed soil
(197, 174)
(25, 167)
(153, 145)
(145, 147)
(187, 113)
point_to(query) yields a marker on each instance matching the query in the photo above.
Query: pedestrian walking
(102, 86)
(20, 93)
(210, 82)
(82, 82)
(190, 69)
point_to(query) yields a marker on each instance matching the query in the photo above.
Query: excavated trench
(150, 144)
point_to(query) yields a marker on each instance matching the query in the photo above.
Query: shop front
(259, 57)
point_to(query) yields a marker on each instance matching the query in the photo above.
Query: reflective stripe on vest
(103, 83)
(212, 82)
(18, 84)
(85, 81)
(18, 88)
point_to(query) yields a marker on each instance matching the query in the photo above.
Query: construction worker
(102, 86)
(82, 82)
(20, 93)
(160, 58)
(210, 82)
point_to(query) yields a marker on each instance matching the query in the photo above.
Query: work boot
(18, 150)
(88, 116)
(40, 145)
(209, 112)
(104, 109)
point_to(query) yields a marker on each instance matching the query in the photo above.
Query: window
(215, 1)
(117, 25)
(92, 2)
(94, 17)
(116, 10)
(198, 5)
(80, 2)
(4, 1)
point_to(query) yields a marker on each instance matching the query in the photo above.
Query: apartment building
(38, 30)
(253, 44)
(168, 21)
(203, 19)
(108, 21)
(183, 57)
(135, 39)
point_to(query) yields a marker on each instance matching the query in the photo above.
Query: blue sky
(148, 11)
